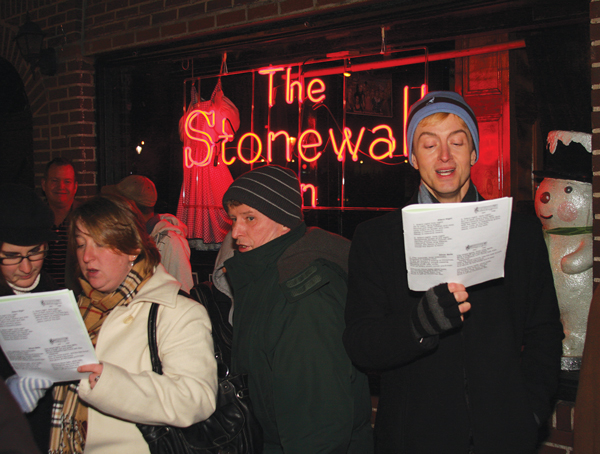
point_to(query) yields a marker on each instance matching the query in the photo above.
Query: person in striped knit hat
(289, 287)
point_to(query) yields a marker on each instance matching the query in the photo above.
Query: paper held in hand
(43, 335)
(455, 242)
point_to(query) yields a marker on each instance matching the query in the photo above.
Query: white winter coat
(128, 392)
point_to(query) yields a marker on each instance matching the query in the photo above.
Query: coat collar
(161, 288)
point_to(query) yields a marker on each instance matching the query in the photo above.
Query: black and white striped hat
(272, 190)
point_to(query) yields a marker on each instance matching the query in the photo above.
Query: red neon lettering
(339, 151)
(311, 92)
(204, 138)
(288, 149)
(239, 148)
(313, 194)
(289, 87)
(302, 147)
(225, 138)
(224, 158)
(390, 141)
(424, 89)
(271, 72)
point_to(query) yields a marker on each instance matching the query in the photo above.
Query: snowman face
(563, 203)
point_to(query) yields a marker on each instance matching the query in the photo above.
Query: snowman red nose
(545, 197)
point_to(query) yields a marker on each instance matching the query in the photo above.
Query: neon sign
(382, 146)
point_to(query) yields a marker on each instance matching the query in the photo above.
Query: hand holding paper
(440, 309)
(43, 335)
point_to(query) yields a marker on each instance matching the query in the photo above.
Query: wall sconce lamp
(138, 149)
(347, 68)
(29, 41)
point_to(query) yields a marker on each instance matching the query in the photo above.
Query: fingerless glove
(436, 312)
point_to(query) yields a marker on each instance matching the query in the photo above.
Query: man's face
(60, 187)
(251, 229)
(443, 153)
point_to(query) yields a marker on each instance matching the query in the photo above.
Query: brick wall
(63, 105)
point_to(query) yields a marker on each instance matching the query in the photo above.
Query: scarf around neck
(69, 414)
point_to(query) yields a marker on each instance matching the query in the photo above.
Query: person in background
(121, 276)
(15, 433)
(222, 290)
(25, 231)
(289, 285)
(60, 186)
(462, 370)
(168, 232)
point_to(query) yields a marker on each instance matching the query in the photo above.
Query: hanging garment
(205, 176)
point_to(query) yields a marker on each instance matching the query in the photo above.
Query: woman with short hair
(120, 273)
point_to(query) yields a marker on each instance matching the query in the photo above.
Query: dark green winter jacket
(288, 322)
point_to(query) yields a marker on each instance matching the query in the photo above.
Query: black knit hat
(272, 190)
(25, 220)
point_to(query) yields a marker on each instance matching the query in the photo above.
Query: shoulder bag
(232, 428)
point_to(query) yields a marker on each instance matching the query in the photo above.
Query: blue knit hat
(440, 101)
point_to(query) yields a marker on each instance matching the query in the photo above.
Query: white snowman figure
(563, 203)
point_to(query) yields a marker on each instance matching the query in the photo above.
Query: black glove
(436, 312)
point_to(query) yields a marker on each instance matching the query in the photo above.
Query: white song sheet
(43, 335)
(455, 242)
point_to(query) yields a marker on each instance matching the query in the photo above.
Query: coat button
(128, 320)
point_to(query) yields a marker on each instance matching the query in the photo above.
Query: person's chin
(26, 281)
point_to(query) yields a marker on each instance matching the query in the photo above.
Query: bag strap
(156, 364)
(222, 368)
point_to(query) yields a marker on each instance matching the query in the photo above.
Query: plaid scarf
(69, 414)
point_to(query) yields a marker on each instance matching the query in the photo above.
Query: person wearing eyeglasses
(25, 229)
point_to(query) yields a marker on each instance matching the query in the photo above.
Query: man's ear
(473, 157)
(414, 161)
(44, 185)
(283, 230)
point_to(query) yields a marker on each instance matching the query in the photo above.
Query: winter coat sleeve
(312, 373)
(378, 334)
(184, 394)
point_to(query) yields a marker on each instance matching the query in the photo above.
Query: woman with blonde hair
(120, 274)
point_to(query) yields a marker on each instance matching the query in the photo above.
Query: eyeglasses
(16, 259)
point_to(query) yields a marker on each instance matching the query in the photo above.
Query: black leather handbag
(231, 429)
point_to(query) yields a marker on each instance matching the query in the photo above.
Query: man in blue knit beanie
(463, 370)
